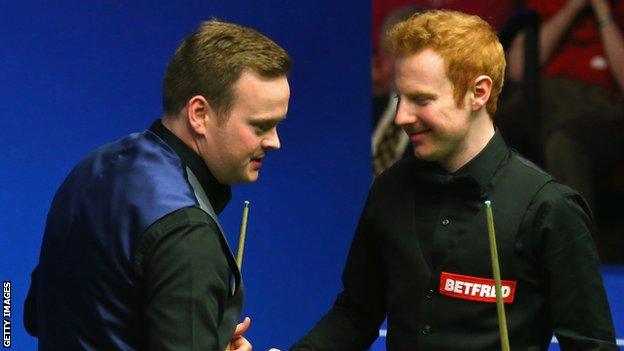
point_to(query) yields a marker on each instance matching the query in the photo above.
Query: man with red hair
(420, 252)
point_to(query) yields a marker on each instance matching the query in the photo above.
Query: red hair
(468, 45)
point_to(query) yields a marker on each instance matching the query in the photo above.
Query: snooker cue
(242, 235)
(500, 307)
(241, 246)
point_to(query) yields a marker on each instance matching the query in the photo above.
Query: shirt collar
(218, 194)
(476, 174)
(483, 166)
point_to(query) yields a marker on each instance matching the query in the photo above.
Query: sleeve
(30, 305)
(358, 311)
(545, 9)
(185, 277)
(579, 308)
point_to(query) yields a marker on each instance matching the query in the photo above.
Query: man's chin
(249, 177)
(424, 155)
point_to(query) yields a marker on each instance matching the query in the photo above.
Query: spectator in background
(578, 135)
(581, 132)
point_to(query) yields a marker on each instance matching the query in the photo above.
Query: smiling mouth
(417, 136)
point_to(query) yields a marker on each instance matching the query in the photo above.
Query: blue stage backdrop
(77, 74)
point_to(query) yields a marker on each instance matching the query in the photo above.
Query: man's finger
(241, 328)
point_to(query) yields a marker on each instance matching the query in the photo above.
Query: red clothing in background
(495, 12)
(580, 55)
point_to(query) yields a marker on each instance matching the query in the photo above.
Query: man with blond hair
(420, 254)
(133, 255)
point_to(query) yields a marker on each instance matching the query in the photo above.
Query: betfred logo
(475, 288)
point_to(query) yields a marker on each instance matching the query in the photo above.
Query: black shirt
(420, 224)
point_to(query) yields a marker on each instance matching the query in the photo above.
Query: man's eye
(262, 128)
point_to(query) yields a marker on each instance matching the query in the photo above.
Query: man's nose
(403, 116)
(271, 141)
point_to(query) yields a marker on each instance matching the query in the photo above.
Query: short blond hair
(468, 45)
(210, 60)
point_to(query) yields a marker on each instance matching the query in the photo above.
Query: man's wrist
(604, 21)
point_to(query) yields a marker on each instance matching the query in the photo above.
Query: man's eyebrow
(269, 119)
(421, 95)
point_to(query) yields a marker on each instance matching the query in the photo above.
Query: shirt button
(445, 222)
(426, 329)
(429, 294)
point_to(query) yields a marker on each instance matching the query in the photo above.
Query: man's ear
(481, 92)
(200, 114)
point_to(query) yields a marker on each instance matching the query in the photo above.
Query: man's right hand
(238, 342)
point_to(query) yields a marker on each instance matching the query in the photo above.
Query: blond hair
(210, 60)
(468, 45)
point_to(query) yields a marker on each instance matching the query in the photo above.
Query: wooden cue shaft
(500, 307)
(241, 246)
(242, 235)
